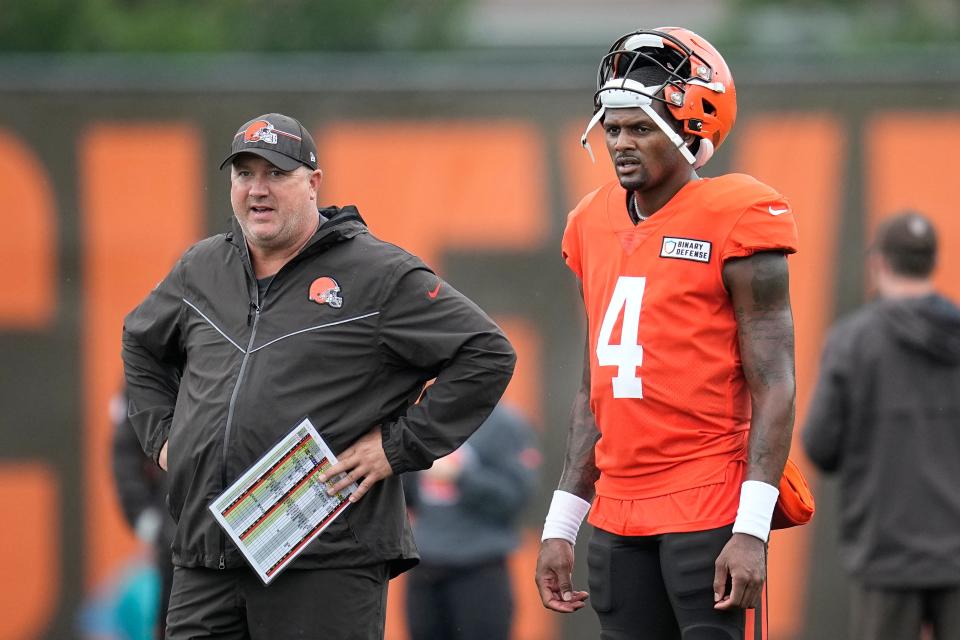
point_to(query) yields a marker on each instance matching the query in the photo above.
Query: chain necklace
(636, 209)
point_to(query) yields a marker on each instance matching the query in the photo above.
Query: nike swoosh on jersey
(436, 290)
(777, 212)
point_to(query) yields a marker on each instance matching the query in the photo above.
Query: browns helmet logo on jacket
(325, 290)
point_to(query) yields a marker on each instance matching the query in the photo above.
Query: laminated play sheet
(278, 506)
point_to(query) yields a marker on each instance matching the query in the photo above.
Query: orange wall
(910, 166)
(141, 194)
(433, 185)
(436, 187)
(28, 246)
(815, 194)
(29, 548)
(30, 551)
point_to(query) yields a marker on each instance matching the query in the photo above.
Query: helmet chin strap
(625, 94)
(583, 139)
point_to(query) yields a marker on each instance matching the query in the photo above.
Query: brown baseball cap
(280, 140)
(909, 242)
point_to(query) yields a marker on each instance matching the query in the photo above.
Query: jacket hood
(929, 324)
(342, 224)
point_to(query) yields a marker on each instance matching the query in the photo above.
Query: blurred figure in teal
(465, 510)
(126, 608)
(132, 605)
(885, 417)
(142, 491)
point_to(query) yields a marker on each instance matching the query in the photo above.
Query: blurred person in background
(142, 491)
(300, 312)
(465, 510)
(885, 417)
(683, 420)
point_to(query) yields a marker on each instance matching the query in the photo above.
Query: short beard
(635, 183)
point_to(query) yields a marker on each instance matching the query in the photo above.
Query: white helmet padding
(623, 93)
(641, 40)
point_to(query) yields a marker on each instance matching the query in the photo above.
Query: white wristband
(564, 518)
(757, 500)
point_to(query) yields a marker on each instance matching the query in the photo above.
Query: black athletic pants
(165, 569)
(659, 587)
(460, 603)
(306, 604)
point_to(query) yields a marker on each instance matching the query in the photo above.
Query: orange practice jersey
(667, 389)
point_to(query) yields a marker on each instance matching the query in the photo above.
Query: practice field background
(467, 156)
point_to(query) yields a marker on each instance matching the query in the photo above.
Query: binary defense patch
(685, 249)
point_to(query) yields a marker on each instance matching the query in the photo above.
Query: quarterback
(682, 423)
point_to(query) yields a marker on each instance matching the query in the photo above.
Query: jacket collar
(343, 223)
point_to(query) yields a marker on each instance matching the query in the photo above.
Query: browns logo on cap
(280, 140)
(260, 130)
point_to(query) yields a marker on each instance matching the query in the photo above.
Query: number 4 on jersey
(628, 355)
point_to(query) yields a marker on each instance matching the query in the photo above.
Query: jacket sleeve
(428, 325)
(153, 359)
(498, 480)
(823, 430)
(128, 465)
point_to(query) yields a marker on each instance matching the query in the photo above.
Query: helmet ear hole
(708, 107)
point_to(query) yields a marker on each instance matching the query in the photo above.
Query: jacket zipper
(226, 432)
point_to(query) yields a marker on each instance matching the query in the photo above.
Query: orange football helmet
(698, 89)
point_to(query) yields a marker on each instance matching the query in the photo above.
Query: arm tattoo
(580, 471)
(759, 289)
(765, 321)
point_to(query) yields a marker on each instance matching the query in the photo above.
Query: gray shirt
(473, 519)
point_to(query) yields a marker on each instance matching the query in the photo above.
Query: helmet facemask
(647, 66)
